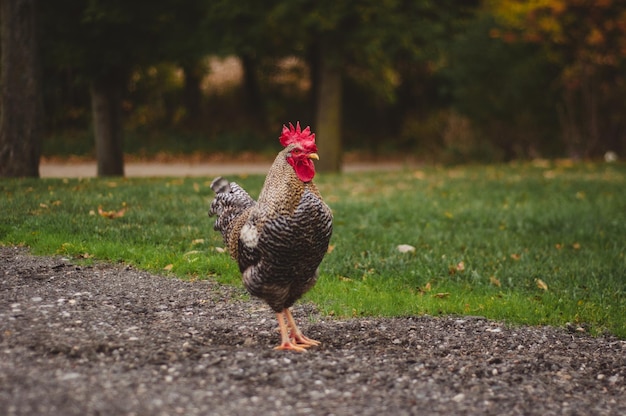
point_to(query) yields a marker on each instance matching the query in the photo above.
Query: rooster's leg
(296, 335)
(285, 343)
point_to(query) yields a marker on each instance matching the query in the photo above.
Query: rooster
(279, 240)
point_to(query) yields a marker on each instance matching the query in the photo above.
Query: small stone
(69, 376)
(459, 398)
(405, 248)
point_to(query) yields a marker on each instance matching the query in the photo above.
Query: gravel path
(111, 340)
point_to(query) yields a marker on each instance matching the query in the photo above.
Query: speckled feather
(278, 241)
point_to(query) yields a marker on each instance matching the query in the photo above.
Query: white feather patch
(249, 235)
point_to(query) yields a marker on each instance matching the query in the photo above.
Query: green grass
(485, 238)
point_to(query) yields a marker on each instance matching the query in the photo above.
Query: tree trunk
(192, 93)
(328, 114)
(21, 106)
(313, 59)
(255, 106)
(106, 106)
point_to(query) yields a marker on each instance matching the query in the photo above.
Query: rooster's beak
(314, 156)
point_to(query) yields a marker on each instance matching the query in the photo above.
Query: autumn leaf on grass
(112, 214)
(541, 284)
(459, 267)
(441, 295)
(494, 281)
(168, 267)
(418, 174)
(427, 288)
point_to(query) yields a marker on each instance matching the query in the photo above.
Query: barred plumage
(279, 241)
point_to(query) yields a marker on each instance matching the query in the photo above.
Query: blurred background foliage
(448, 81)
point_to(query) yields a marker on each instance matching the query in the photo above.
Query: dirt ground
(111, 340)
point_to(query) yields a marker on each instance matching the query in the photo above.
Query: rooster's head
(302, 149)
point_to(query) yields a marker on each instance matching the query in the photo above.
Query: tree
(506, 90)
(328, 111)
(587, 40)
(21, 121)
(247, 30)
(363, 41)
(106, 106)
(104, 42)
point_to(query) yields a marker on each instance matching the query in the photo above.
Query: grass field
(540, 243)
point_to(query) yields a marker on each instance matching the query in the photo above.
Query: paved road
(153, 169)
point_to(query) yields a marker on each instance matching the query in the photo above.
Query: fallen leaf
(541, 284)
(423, 290)
(441, 295)
(494, 281)
(42, 205)
(418, 174)
(516, 256)
(112, 214)
(576, 246)
(345, 279)
(330, 249)
(168, 267)
(220, 249)
(198, 241)
(405, 248)
(460, 266)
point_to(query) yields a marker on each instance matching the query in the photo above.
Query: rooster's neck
(282, 183)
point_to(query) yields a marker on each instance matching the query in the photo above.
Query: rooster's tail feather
(230, 202)
(220, 185)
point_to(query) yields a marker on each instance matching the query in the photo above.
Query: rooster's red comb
(293, 134)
